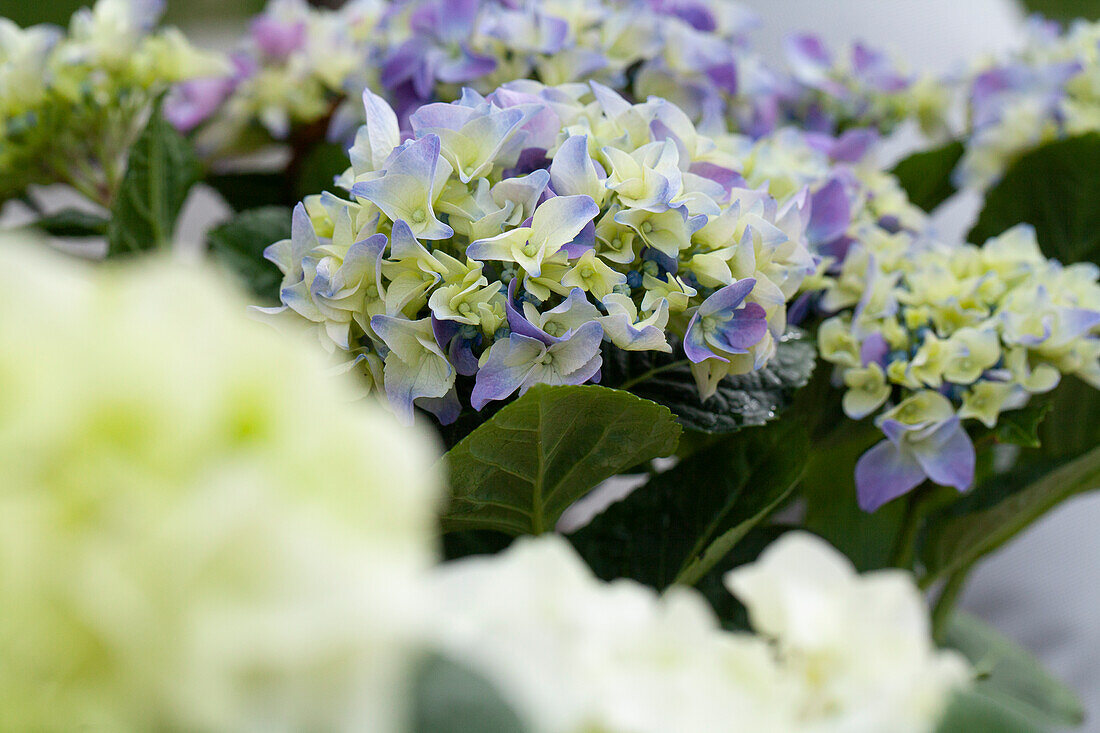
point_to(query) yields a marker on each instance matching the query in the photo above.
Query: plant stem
(652, 373)
(945, 604)
(906, 546)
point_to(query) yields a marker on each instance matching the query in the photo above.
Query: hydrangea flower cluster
(933, 335)
(72, 104)
(300, 66)
(510, 236)
(864, 87)
(833, 651)
(171, 558)
(1045, 91)
(851, 199)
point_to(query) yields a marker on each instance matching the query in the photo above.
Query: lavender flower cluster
(300, 66)
(507, 238)
(930, 335)
(1045, 91)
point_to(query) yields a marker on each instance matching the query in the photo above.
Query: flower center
(647, 226)
(529, 249)
(419, 216)
(587, 272)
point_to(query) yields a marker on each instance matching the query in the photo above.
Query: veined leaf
(161, 170)
(747, 400)
(521, 469)
(684, 521)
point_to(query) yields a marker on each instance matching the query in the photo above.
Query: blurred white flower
(576, 654)
(197, 531)
(860, 647)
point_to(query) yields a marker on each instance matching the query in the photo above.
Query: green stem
(945, 604)
(905, 548)
(652, 373)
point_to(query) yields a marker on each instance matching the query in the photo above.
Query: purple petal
(695, 345)
(467, 67)
(946, 455)
(193, 102)
(446, 409)
(277, 38)
(444, 331)
(518, 324)
(874, 349)
(509, 363)
(745, 329)
(583, 242)
(807, 55)
(727, 298)
(830, 212)
(573, 356)
(884, 473)
(724, 76)
(727, 178)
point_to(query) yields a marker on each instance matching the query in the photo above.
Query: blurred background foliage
(189, 12)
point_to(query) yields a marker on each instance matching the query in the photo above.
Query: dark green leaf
(319, 168)
(1055, 189)
(1021, 427)
(451, 698)
(161, 170)
(1064, 10)
(954, 539)
(244, 191)
(520, 470)
(1012, 679)
(457, 545)
(685, 520)
(239, 245)
(926, 176)
(73, 223)
(829, 489)
(1073, 423)
(749, 399)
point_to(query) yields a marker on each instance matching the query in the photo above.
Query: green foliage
(162, 169)
(747, 400)
(73, 223)
(244, 191)
(1021, 427)
(926, 176)
(1055, 189)
(961, 535)
(318, 168)
(828, 486)
(450, 698)
(1013, 693)
(239, 244)
(518, 471)
(1064, 10)
(685, 520)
